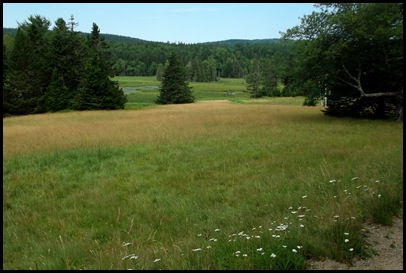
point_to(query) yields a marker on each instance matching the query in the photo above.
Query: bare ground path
(388, 243)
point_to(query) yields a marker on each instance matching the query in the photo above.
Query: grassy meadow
(258, 184)
(143, 91)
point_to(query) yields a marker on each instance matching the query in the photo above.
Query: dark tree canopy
(96, 89)
(352, 53)
(175, 89)
(349, 55)
(57, 70)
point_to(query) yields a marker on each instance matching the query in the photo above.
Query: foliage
(348, 51)
(29, 67)
(336, 53)
(57, 95)
(175, 89)
(97, 90)
(253, 79)
(57, 70)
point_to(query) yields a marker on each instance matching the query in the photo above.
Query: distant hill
(119, 38)
(232, 42)
(9, 31)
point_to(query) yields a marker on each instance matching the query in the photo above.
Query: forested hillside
(205, 61)
(357, 70)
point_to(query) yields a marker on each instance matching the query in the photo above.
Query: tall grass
(209, 185)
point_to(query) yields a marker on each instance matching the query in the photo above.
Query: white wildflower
(130, 256)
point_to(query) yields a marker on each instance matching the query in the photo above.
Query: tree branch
(357, 80)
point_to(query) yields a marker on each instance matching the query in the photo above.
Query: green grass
(208, 185)
(143, 91)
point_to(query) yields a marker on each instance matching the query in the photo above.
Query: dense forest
(358, 68)
(205, 61)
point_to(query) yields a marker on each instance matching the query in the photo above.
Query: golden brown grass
(61, 131)
(157, 177)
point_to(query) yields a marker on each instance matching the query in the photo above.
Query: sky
(169, 22)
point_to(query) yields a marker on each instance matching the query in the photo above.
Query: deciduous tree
(353, 53)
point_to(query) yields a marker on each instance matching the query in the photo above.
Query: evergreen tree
(96, 89)
(57, 96)
(29, 67)
(175, 89)
(64, 63)
(6, 84)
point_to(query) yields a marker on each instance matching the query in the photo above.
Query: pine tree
(57, 95)
(6, 84)
(96, 89)
(29, 67)
(64, 63)
(175, 89)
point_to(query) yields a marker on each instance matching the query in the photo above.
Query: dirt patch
(388, 243)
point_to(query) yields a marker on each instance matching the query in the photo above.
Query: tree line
(47, 71)
(348, 55)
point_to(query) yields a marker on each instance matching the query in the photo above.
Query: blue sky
(169, 22)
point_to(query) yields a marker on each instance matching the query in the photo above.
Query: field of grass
(260, 184)
(143, 91)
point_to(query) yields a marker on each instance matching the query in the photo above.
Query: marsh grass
(148, 188)
(143, 91)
